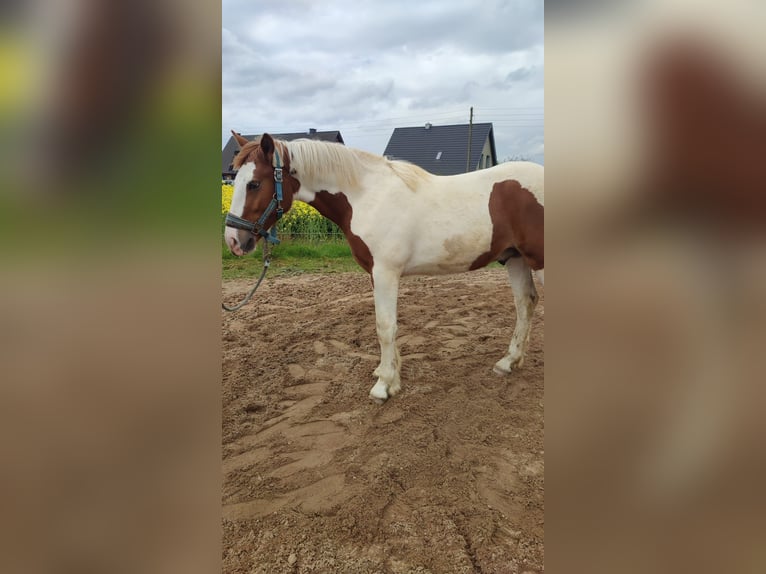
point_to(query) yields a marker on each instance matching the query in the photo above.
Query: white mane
(332, 162)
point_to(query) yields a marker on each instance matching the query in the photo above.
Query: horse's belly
(436, 268)
(436, 253)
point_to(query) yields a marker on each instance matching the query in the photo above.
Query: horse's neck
(331, 198)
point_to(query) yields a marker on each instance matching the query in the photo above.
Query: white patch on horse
(244, 175)
(305, 195)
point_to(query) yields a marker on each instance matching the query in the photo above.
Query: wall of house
(486, 156)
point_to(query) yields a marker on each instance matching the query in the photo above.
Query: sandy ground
(446, 477)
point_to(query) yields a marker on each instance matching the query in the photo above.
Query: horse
(399, 220)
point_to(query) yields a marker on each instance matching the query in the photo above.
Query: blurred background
(110, 284)
(655, 323)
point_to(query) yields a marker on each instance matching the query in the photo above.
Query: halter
(256, 228)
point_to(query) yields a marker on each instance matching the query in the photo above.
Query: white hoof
(505, 365)
(502, 367)
(378, 393)
(500, 372)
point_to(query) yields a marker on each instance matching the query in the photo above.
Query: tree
(516, 157)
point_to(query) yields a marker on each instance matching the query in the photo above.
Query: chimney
(312, 131)
(428, 125)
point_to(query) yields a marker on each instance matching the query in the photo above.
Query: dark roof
(421, 145)
(232, 147)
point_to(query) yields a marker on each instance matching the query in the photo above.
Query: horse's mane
(410, 173)
(327, 161)
(244, 153)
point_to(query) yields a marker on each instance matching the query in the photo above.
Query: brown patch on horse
(336, 208)
(517, 223)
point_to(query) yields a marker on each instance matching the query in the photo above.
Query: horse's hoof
(393, 389)
(378, 401)
(506, 366)
(378, 393)
(503, 367)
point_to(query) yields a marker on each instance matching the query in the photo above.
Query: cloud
(366, 67)
(520, 74)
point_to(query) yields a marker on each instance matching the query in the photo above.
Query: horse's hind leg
(525, 298)
(386, 290)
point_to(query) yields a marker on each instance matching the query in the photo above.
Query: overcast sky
(365, 67)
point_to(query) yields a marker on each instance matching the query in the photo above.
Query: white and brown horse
(401, 220)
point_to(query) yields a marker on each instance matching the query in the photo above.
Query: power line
(506, 116)
(514, 108)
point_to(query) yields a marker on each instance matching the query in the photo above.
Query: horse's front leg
(386, 289)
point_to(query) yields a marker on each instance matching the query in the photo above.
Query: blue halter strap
(256, 228)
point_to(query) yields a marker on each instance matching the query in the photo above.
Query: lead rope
(266, 263)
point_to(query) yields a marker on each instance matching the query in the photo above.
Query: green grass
(292, 257)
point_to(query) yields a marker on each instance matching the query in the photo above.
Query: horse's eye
(254, 185)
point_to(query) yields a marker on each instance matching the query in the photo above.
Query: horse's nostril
(250, 245)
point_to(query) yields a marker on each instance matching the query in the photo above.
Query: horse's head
(255, 203)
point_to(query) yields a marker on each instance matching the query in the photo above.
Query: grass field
(291, 257)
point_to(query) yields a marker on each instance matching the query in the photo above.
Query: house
(443, 150)
(231, 148)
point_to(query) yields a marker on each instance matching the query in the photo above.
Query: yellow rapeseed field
(226, 192)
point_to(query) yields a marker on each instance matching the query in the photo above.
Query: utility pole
(470, 133)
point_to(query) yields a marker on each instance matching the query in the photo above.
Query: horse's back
(529, 175)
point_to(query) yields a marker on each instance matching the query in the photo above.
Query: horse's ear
(240, 140)
(267, 144)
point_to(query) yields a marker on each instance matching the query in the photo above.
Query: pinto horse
(399, 220)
